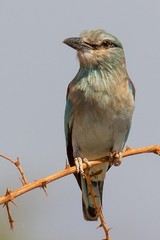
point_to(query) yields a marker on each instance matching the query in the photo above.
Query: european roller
(99, 109)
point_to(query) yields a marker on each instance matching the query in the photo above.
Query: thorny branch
(17, 164)
(99, 210)
(12, 194)
(11, 221)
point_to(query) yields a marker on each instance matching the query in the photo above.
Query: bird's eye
(108, 44)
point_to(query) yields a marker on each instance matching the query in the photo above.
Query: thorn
(44, 186)
(67, 165)
(8, 192)
(17, 163)
(128, 148)
(12, 201)
(99, 226)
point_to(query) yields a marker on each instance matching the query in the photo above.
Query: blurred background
(35, 69)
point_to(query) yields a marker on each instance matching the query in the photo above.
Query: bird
(100, 103)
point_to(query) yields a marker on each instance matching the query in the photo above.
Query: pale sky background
(35, 69)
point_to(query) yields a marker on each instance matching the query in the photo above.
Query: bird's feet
(115, 158)
(79, 164)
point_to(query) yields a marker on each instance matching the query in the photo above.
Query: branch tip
(11, 221)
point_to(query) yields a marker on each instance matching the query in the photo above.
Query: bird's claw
(115, 158)
(79, 164)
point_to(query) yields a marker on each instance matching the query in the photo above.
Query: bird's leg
(115, 158)
(79, 164)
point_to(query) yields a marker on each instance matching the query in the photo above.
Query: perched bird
(99, 108)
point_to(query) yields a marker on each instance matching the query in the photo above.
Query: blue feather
(99, 108)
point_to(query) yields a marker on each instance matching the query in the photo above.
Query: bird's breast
(97, 124)
(102, 112)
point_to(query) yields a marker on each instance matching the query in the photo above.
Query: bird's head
(97, 47)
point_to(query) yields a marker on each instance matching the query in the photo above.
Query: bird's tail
(97, 181)
(89, 211)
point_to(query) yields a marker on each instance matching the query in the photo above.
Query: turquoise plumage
(99, 108)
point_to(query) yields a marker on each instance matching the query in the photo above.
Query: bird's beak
(77, 43)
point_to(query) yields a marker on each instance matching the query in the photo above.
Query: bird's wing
(68, 120)
(68, 134)
(133, 92)
(132, 88)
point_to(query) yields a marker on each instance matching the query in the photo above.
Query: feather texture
(99, 108)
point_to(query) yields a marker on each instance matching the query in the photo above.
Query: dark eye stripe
(104, 44)
(108, 44)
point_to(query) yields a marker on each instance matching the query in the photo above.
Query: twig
(11, 195)
(17, 163)
(9, 215)
(149, 149)
(18, 166)
(69, 170)
(98, 210)
(8, 210)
